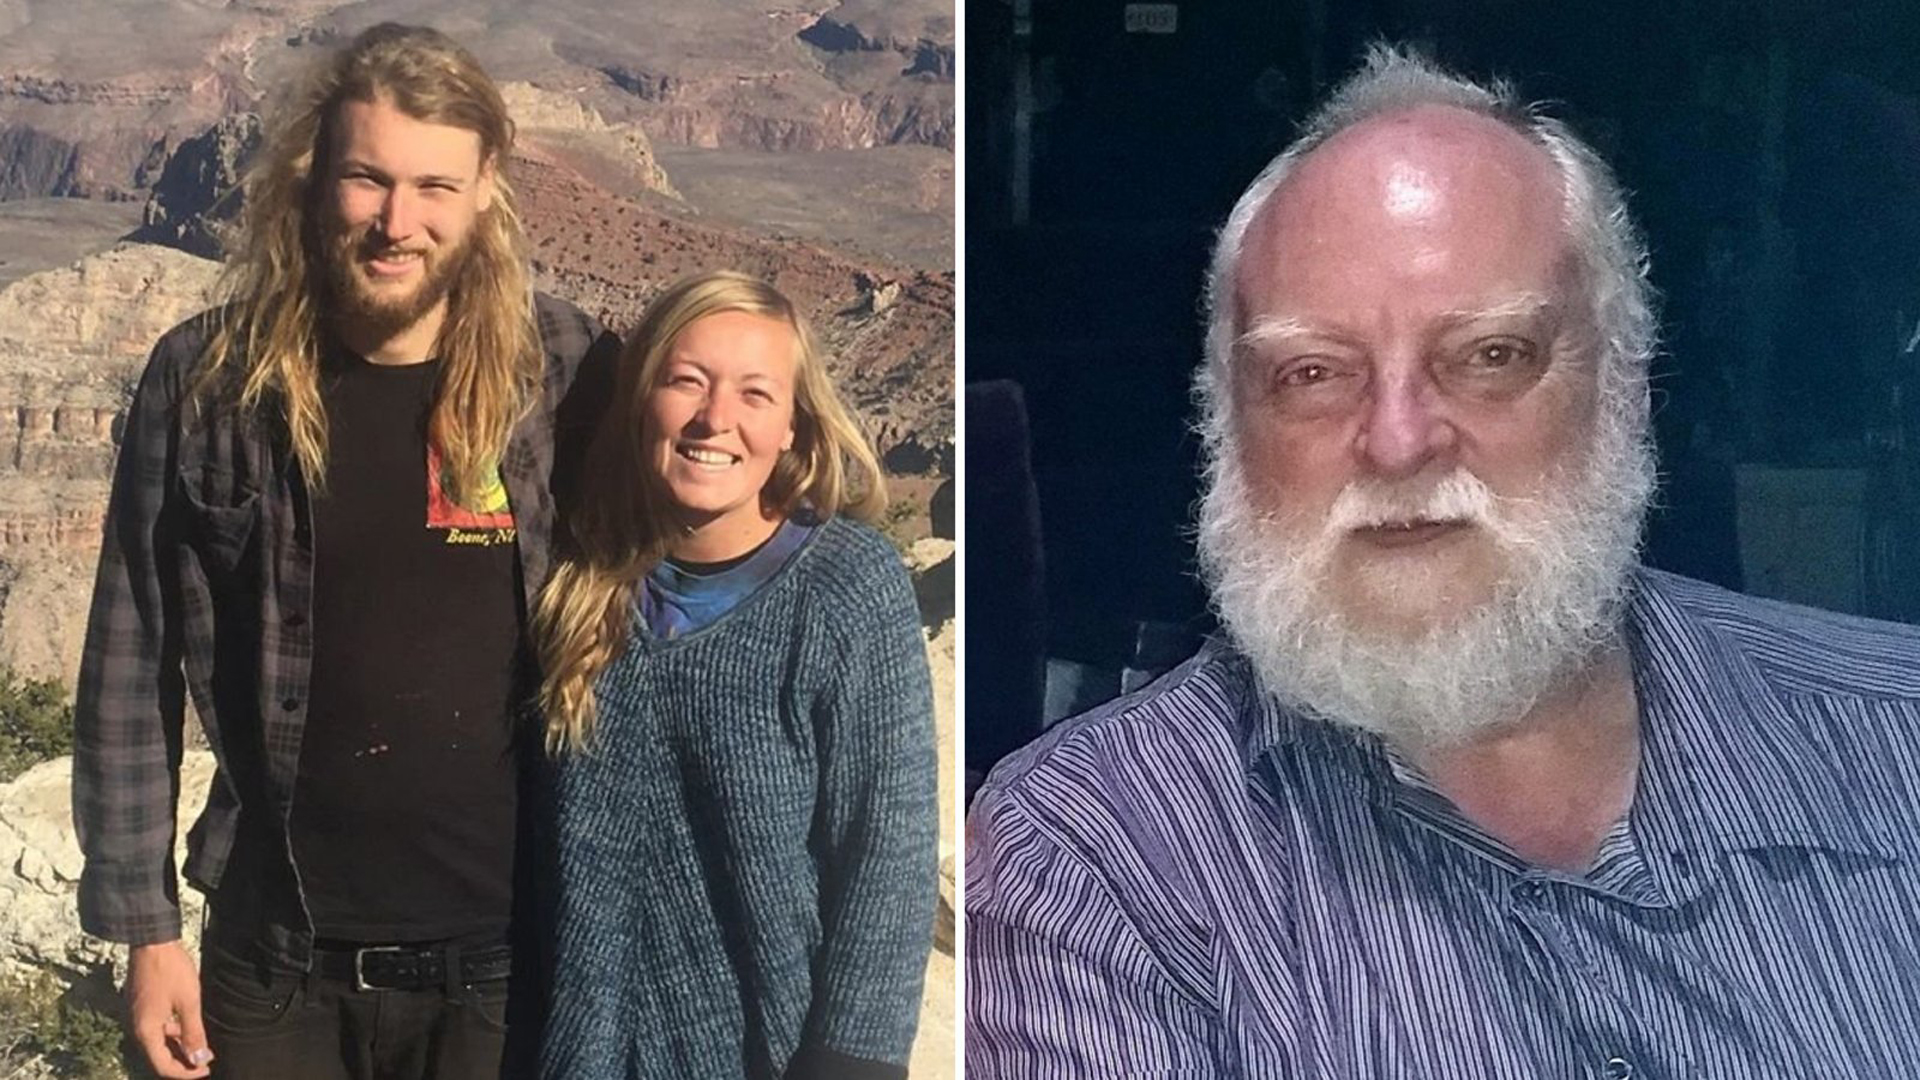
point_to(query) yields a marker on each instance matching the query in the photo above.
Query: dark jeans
(267, 1024)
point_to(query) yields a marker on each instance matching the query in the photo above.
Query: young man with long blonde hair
(331, 510)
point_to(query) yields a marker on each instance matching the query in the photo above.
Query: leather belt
(413, 967)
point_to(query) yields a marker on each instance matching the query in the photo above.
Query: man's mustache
(1459, 496)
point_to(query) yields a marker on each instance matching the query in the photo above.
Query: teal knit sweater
(746, 852)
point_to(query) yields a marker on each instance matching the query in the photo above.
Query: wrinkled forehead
(1432, 182)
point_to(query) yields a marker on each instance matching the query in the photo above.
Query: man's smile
(393, 264)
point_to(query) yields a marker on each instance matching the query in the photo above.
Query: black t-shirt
(403, 815)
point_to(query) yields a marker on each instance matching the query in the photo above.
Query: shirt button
(296, 620)
(1529, 892)
(290, 704)
(1619, 1068)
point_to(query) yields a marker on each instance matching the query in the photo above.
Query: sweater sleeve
(877, 825)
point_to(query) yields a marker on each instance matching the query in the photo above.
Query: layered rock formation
(196, 197)
(47, 234)
(72, 342)
(711, 115)
(786, 79)
(557, 125)
(97, 95)
(888, 330)
(36, 162)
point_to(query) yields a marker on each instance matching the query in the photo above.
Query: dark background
(1772, 154)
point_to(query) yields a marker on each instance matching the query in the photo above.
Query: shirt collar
(1726, 758)
(1265, 724)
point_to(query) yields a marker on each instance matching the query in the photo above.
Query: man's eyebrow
(1518, 306)
(1526, 305)
(353, 164)
(1265, 328)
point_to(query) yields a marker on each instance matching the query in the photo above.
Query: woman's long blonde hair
(273, 324)
(622, 526)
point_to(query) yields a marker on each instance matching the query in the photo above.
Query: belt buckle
(359, 965)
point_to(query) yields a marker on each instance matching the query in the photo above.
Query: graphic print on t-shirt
(485, 524)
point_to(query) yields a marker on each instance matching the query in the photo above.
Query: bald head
(1412, 201)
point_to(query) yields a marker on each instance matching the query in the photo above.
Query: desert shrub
(36, 723)
(896, 524)
(43, 1033)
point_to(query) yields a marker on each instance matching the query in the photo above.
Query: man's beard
(1448, 671)
(380, 313)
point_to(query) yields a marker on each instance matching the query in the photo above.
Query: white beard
(1446, 671)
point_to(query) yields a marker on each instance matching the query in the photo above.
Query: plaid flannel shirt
(205, 581)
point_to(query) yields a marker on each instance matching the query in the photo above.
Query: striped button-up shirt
(1195, 882)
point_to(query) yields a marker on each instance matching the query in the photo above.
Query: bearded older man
(1463, 791)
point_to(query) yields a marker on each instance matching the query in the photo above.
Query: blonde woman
(738, 695)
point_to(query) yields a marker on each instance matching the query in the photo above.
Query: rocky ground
(890, 203)
(46, 233)
(934, 1050)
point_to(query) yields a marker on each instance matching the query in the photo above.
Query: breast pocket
(221, 517)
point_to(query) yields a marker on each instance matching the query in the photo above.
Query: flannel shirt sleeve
(588, 389)
(129, 703)
(880, 823)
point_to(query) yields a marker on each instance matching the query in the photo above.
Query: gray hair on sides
(1612, 255)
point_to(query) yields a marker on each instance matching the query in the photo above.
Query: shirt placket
(1604, 1022)
(287, 657)
(1601, 1017)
